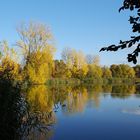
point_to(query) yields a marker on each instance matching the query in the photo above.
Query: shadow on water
(30, 113)
(10, 117)
(18, 119)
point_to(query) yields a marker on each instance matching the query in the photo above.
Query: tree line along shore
(31, 60)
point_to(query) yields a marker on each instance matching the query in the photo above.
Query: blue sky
(85, 25)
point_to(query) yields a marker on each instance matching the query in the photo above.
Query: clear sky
(85, 25)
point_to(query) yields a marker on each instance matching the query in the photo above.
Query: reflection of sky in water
(131, 111)
(80, 113)
(98, 112)
(110, 119)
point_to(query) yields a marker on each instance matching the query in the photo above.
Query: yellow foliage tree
(39, 99)
(38, 68)
(35, 43)
(76, 62)
(9, 67)
(41, 104)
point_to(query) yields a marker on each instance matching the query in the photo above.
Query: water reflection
(123, 91)
(31, 113)
(76, 100)
(73, 99)
(11, 112)
(132, 111)
(41, 108)
(19, 118)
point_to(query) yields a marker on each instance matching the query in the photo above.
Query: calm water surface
(81, 113)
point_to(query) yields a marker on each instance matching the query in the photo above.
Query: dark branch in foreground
(135, 40)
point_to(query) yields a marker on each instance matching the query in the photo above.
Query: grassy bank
(74, 81)
(63, 81)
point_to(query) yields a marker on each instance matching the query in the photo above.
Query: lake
(99, 112)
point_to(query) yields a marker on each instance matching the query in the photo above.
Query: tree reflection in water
(18, 119)
(31, 115)
(123, 91)
(10, 114)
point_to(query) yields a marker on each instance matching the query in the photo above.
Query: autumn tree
(68, 56)
(61, 70)
(116, 71)
(76, 62)
(106, 72)
(96, 60)
(9, 66)
(36, 45)
(137, 71)
(89, 58)
(122, 71)
(133, 5)
(94, 69)
(123, 91)
(127, 71)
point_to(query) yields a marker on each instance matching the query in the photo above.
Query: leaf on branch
(121, 42)
(123, 46)
(130, 44)
(122, 8)
(135, 22)
(131, 7)
(103, 49)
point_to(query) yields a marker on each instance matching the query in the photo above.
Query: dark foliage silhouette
(16, 120)
(133, 5)
(10, 117)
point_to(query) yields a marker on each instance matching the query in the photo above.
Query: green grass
(63, 81)
(74, 81)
